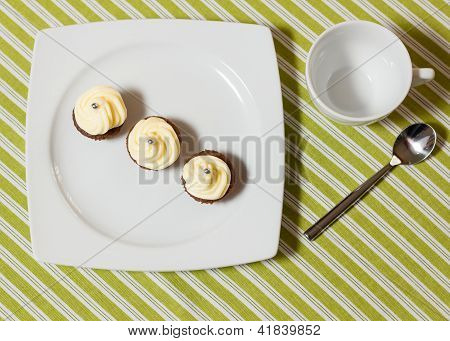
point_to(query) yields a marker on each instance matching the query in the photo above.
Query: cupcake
(207, 176)
(154, 143)
(99, 112)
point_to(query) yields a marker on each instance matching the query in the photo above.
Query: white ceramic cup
(358, 72)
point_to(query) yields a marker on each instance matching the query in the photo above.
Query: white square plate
(91, 206)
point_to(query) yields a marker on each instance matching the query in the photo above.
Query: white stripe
(130, 10)
(42, 13)
(276, 298)
(189, 10)
(324, 284)
(420, 23)
(13, 96)
(313, 302)
(11, 149)
(21, 298)
(12, 13)
(14, 69)
(209, 295)
(99, 10)
(17, 126)
(430, 8)
(240, 293)
(4, 311)
(42, 290)
(16, 44)
(112, 294)
(146, 296)
(158, 9)
(71, 11)
(178, 296)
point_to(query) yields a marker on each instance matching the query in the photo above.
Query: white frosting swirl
(207, 177)
(100, 109)
(153, 143)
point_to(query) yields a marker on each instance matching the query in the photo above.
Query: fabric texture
(386, 259)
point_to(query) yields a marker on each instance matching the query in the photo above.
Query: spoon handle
(314, 231)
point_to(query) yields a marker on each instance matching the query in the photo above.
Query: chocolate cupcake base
(219, 156)
(174, 127)
(100, 137)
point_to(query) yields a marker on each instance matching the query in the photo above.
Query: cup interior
(359, 70)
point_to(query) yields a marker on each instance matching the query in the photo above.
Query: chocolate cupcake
(207, 176)
(99, 112)
(154, 143)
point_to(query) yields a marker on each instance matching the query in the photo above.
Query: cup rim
(333, 113)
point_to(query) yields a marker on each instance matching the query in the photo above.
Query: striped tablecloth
(386, 259)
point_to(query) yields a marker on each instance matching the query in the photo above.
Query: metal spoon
(413, 145)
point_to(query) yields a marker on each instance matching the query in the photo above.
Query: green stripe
(13, 192)
(170, 303)
(84, 10)
(12, 164)
(204, 10)
(315, 262)
(95, 293)
(413, 31)
(12, 220)
(28, 14)
(133, 299)
(31, 294)
(433, 23)
(14, 307)
(256, 294)
(287, 292)
(15, 56)
(15, 29)
(51, 284)
(191, 294)
(59, 14)
(12, 136)
(13, 82)
(112, 8)
(173, 9)
(143, 8)
(313, 288)
(226, 295)
(12, 108)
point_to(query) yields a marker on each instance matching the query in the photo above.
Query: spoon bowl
(415, 143)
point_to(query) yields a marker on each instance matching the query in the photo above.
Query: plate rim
(46, 256)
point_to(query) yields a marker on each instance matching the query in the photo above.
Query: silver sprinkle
(94, 105)
(150, 141)
(207, 171)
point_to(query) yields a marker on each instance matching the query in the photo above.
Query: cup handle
(422, 76)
